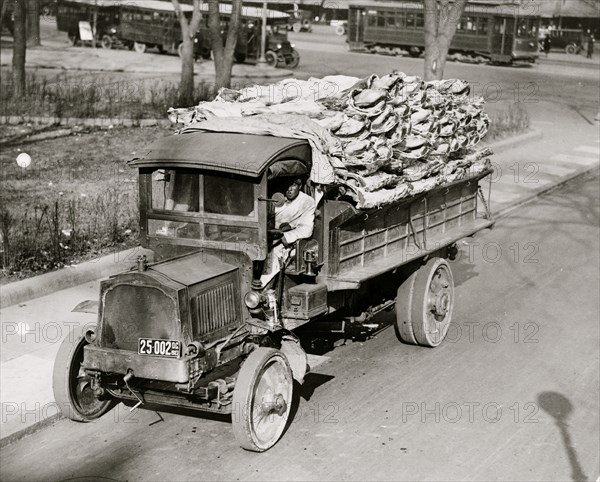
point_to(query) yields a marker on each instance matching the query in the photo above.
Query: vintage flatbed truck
(196, 329)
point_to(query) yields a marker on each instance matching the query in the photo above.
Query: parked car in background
(340, 26)
(571, 40)
(300, 20)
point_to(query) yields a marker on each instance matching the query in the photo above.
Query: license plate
(163, 348)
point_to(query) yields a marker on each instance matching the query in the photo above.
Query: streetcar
(500, 33)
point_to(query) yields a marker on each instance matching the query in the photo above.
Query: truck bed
(363, 245)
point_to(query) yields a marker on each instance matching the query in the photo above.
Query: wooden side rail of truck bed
(365, 244)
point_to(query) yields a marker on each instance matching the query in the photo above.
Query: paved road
(512, 394)
(573, 85)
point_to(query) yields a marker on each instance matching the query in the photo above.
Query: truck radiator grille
(131, 312)
(214, 309)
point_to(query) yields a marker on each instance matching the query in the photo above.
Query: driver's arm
(305, 223)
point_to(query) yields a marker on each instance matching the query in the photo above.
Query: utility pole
(262, 61)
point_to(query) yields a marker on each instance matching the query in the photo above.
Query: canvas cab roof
(243, 154)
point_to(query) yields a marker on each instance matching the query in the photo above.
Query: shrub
(506, 119)
(71, 96)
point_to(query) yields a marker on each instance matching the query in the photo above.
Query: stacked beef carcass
(398, 134)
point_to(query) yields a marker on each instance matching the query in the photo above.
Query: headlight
(278, 46)
(292, 45)
(195, 40)
(252, 299)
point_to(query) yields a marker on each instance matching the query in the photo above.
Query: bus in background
(501, 33)
(101, 14)
(149, 24)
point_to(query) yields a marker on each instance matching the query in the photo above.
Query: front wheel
(140, 48)
(571, 49)
(424, 304)
(72, 386)
(294, 60)
(262, 399)
(106, 42)
(271, 58)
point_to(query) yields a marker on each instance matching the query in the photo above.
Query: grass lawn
(77, 198)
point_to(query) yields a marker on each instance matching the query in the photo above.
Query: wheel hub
(440, 307)
(277, 406)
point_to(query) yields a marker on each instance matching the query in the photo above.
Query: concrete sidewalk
(59, 55)
(33, 330)
(561, 58)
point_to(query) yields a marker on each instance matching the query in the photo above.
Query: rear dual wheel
(262, 399)
(424, 304)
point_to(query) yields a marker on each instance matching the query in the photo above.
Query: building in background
(570, 14)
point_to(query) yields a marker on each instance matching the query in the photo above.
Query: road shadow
(559, 408)
(462, 269)
(311, 382)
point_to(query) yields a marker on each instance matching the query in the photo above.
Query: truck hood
(192, 268)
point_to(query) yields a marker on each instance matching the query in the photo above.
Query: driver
(295, 218)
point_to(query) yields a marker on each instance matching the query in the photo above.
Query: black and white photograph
(310, 240)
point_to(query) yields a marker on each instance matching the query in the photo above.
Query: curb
(515, 141)
(257, 72)
(527, 199)
(16, 436)
(86, 122)
(47, 283)
(577, 62)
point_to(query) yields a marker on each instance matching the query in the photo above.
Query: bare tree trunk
(188, 32)
(3, 11)
(223, 54)
(19, 47)
(441, 20)
(33, 23)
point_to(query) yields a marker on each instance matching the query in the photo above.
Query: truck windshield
(221, 203)
(188, 191)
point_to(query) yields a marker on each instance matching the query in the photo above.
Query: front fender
(87, 306)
